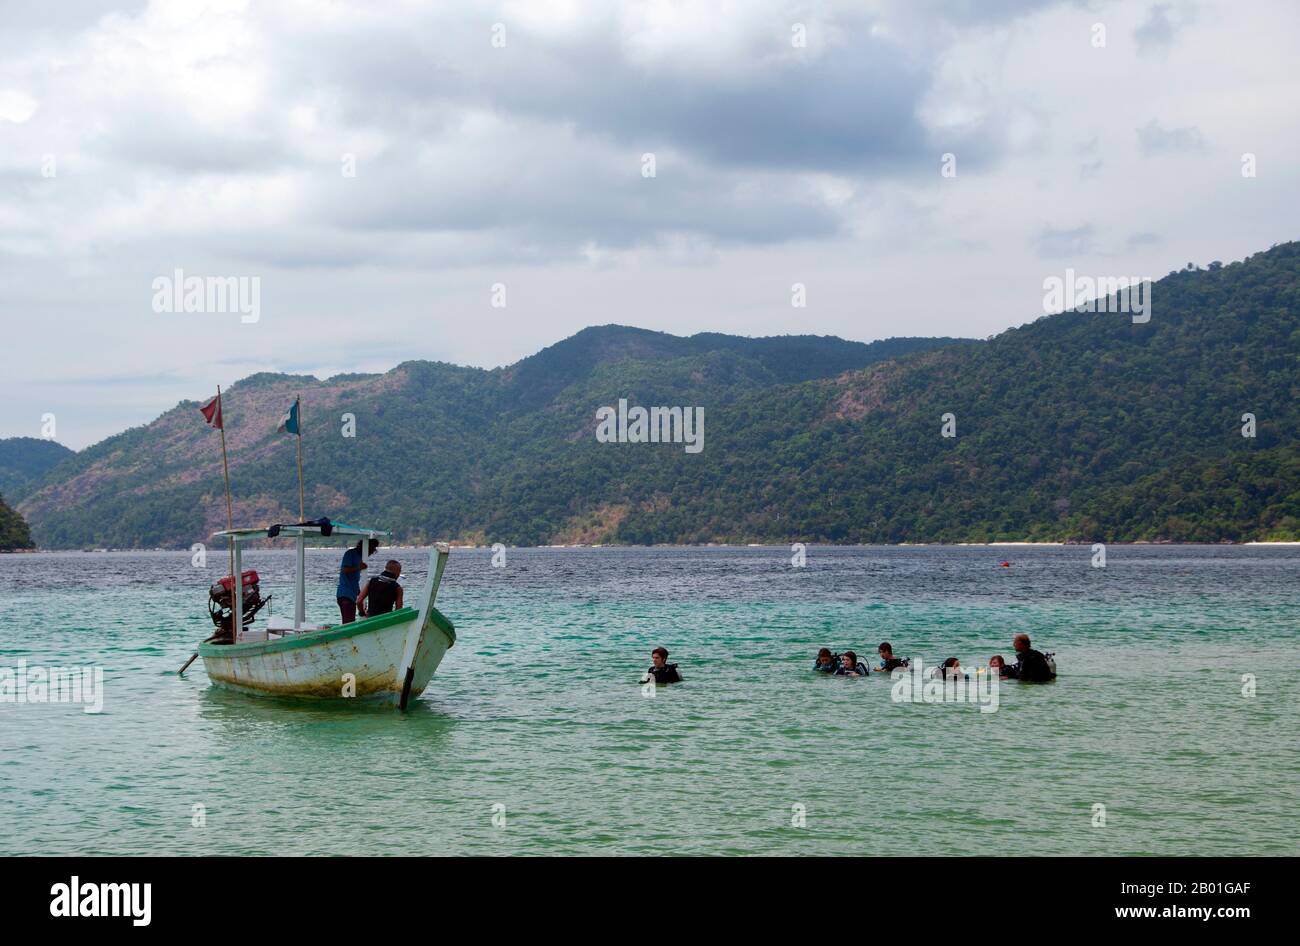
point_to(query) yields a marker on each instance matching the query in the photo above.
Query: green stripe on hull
(337, 632)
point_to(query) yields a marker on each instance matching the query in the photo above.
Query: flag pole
(218, 421)
(302, 515)
(225, 469)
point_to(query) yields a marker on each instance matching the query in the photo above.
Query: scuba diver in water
(850, 666)
(661, 671)
(826, 661)
(950, 668)
(1031, 665)
(999, 663)
(888, 661)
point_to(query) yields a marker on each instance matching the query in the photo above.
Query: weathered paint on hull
(314, 665)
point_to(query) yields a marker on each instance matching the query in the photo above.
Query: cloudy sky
(379, 167)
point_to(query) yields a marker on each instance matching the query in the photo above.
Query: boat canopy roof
(271, 532)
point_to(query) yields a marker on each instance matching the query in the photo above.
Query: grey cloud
(1091, 167)
(63, 16)
(1162, 24)
(1145, 239)
(569, 115)
(849, 107)
(968, 13)
(854, 109)
(153, 138)
(1155, 139)
(212, 141)
(563, 187)
(1052, 243)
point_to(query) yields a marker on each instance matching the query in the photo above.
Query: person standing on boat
(350, 580)
(382, 593)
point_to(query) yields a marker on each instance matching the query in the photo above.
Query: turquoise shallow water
(537, 709)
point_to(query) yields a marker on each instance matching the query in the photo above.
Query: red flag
(211, 411)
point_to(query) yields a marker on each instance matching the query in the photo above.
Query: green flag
(289, 422)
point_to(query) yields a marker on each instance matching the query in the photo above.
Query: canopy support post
(300, 586)
(237, 622)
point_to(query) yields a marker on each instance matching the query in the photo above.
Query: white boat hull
(362, 660)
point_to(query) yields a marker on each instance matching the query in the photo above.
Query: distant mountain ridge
(24, 461)
(1076, 427)
(154, 485)
(788, 358)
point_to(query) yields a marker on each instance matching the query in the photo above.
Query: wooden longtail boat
(388, 657)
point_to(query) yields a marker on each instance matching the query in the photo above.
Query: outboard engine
(221, 604)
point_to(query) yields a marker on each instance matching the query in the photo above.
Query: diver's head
(659, 657)
(849, 659)
(885, 650)
(1020, 642)
(824, 655)
(952, 663)
(996, 662)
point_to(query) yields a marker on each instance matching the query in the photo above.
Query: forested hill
(1080, 426)
(435, 444)
(24, 461)
(14, 534)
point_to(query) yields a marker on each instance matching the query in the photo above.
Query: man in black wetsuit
(661, 671)
(888, 661)
(1031, 666)
(382, 593)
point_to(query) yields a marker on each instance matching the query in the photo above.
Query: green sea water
(535, 737)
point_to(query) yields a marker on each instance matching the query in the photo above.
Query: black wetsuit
(893, 663)
(665, 674)
(1032, 667)
(382, 594)
(860, 668)
(828, 667)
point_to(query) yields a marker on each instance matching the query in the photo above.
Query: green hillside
(14, 534)
(436, 445)
(1078, 427)
(25, 461)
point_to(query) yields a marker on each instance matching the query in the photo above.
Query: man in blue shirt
(350, 580)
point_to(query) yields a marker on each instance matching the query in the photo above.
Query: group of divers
(1031, 666)
(383, 594)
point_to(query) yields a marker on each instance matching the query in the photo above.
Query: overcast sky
(503, 143)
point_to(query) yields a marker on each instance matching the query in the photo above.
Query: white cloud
(212, 137)
(15, 106)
